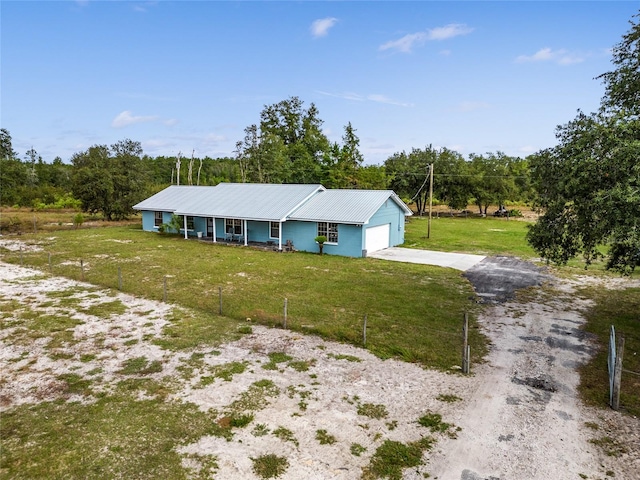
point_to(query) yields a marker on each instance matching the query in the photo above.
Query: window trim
(236, 224)
(157, 222)
(332, 236)
(273, 225)
(191, 223)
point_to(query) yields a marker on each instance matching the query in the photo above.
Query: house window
(274, 229)
(233, 226)
(158, 219)
(329, 230)
(190, 222)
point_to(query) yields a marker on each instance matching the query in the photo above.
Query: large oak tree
(589, 184)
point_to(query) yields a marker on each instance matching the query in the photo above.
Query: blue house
(355, 222)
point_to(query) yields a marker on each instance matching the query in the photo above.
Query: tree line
(286, 146)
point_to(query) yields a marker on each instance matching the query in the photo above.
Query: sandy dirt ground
(518, 415)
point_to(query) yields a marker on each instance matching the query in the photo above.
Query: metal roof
(249, 201)
(172, 198)
(346, 206)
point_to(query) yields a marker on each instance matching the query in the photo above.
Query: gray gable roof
(274, 202)
(249, 201)
(346, 206)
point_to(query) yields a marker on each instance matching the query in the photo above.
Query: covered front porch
(236, 231)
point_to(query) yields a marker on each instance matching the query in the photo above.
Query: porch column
(213, 219)
(246, 232)
(185, 226)
(280, 236)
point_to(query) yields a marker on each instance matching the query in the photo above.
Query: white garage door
(377, 238)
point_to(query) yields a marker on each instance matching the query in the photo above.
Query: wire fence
(380, 331)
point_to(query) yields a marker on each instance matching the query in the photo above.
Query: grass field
(414, 312)
(482, 236)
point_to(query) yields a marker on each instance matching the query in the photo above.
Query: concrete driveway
(459, 261)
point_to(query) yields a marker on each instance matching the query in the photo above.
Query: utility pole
(430, 199)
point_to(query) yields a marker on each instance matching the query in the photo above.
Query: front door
(210, 227)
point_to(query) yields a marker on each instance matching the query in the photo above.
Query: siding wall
(351, 238)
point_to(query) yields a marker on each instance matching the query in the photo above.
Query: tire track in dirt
(524, 419)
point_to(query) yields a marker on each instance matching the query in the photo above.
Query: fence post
(285, 313)
(82, 270)
(119, 278)
(164, 289)
(220, 297)
(617, 375)
(611, 361)
(364, 331)
(465, 344)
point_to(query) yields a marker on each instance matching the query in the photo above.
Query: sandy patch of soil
(519, 414)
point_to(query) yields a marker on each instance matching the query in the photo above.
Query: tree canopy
(109, 180)
(589, 184)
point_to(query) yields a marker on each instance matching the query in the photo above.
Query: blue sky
(472, 76)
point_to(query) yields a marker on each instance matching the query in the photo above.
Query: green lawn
(482, 236)
(414, 312)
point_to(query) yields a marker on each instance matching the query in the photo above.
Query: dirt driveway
(518, 414)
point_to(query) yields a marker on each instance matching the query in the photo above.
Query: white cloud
(374, 97)
(449, 31)
(561, 57)
(411, 40)
(406, 43)
(320, 27)
(171, 122)
(383, 99)
(126, 118)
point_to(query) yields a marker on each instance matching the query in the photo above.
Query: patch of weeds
(275, 358)
(313, 375)
(133, 341)
(106, 309)
(372, 410)
(255, 397)
(448, 398)
(245, 330)
(205, 466)
(140, 366)
(392, 425)
(285, 435)
(76, 384)
(324, 438)
(348, 358)
(269, 466)
(228, 370)
(241, 421)
(609, 446)
(592, 425)
(260, 430)
(95, 371)
(356, 449)
(147, 386)
(433, 421)
(87, 357)
(301, 365)
(392, 457)
(610, 473)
